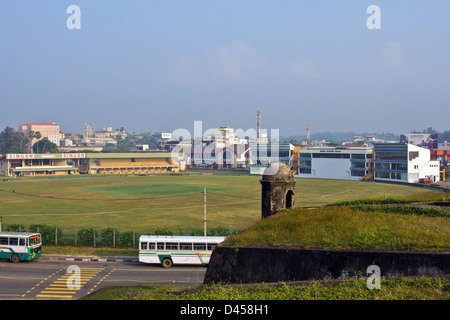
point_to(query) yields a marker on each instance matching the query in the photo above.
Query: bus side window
(160, 245)
(13, 241)
(144, 246)
(185, 246)
(152, 246)
(200, 246)
(211, 246)
(21, 242)
(4, 240)
(171, 246)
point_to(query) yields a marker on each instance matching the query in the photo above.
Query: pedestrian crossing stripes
(67, 285)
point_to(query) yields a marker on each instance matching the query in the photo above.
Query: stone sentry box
(278, 189)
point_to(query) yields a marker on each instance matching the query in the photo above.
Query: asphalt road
(62, 280)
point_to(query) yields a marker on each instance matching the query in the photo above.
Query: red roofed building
(49, 130)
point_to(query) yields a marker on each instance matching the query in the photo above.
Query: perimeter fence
(105, 237)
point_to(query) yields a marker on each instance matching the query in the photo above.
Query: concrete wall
(253, 265)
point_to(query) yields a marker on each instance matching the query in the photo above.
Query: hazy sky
(160, 65)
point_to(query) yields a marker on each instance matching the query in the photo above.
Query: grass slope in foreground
(401, 289)
(346, 228)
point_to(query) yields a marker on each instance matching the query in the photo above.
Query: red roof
(39, 124)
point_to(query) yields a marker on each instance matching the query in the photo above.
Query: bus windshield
(34, 240)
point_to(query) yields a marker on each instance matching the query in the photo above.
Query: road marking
(52, 296)
(61, 288)
(63, 292)
(98, 283)
(86, 274)
(33, 288)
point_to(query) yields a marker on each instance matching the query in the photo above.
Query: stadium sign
(74, 155)
(20, 156)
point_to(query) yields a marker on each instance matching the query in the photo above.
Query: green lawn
(401, 289)
(143, 203)
(346, 228)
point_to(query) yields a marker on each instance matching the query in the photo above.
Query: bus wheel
(14, 258)
(166, 263)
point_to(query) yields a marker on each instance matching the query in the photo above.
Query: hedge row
(107, 237)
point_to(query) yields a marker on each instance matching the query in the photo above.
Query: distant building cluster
(90, 139)
(93, 138)
(415, 158)
(222, 149)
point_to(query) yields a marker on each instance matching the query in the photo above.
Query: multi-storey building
(346, 163)
(49, 130)
(225, 136)
(404, 162)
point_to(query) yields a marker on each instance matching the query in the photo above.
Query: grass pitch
(144, 203)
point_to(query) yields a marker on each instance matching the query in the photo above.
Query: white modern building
(345, 163)
(404, 162)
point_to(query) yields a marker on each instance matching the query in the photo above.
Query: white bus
(169, 250)
(20, 246)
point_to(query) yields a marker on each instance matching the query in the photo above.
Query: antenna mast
(258, 125)
(307, 134)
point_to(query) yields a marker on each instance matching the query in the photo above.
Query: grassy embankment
(144, 203)
(401, 289)
(332, 228)
(356, 225)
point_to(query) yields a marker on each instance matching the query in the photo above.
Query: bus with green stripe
(20, 246)
(170, 250)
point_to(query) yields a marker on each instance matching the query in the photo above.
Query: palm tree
(38, 136)
(31, 136)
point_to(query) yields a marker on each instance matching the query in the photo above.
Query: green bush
(108, 236)
(198, 233)
(86, 236)
(15, 228)
(126, 239)
(48, 233)
(219, 232)
(163, 231)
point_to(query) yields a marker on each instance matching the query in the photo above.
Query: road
(56, 280)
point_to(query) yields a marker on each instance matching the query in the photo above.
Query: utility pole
(204, 212)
